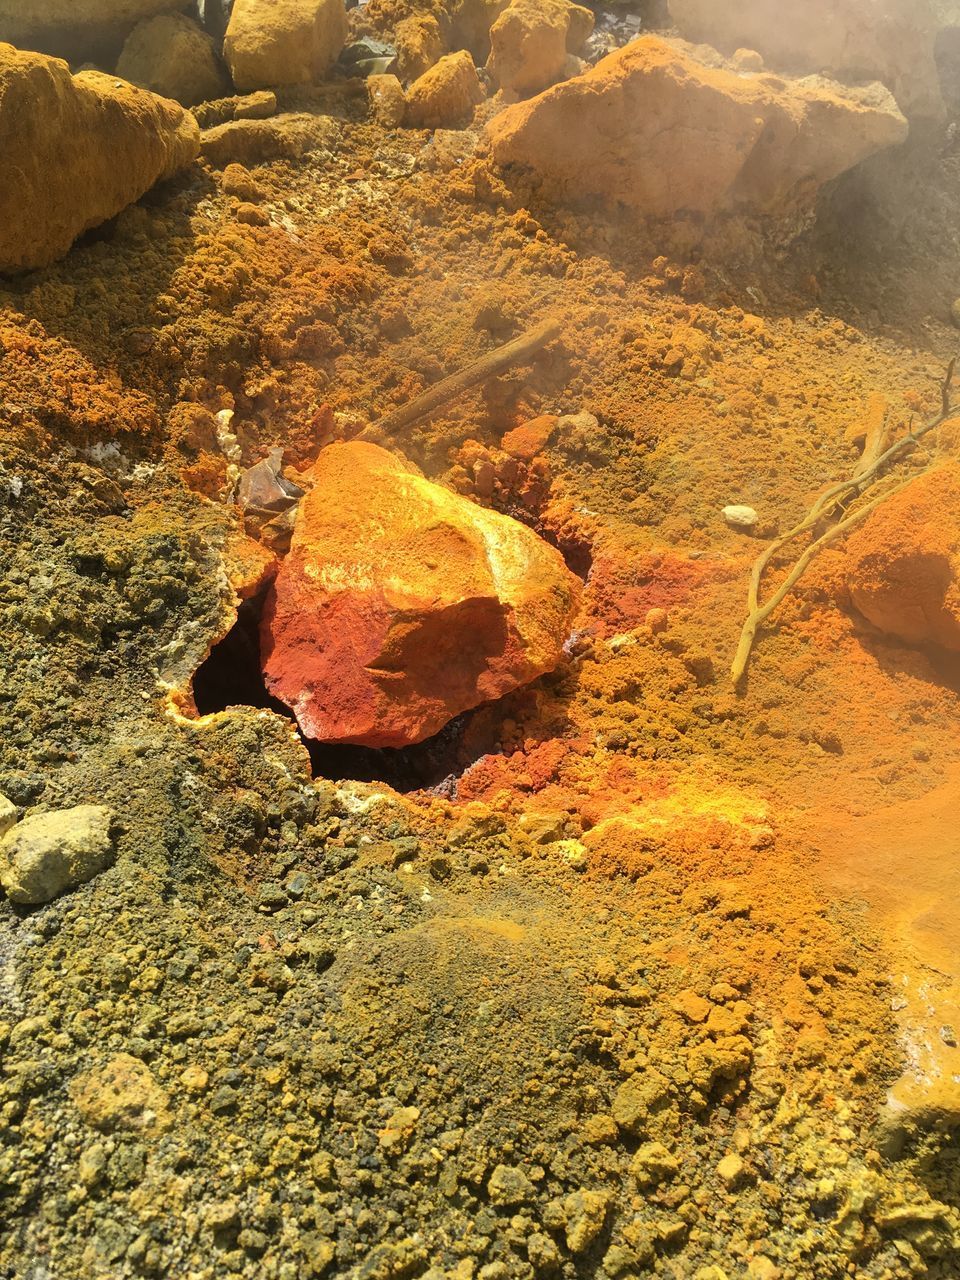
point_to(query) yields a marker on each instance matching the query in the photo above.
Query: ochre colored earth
(626, 973)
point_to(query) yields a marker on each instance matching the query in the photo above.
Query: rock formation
(654, 128)
(278, 42)
(531, 40)
(446, 95)
(904, 563)
(76, 29)
(172, 56)
(402, 604)
(75, 151)
(853, 40)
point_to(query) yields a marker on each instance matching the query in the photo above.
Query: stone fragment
(903, 563)
(681, 136)
(287, 136)
(402, 604)
(247, 106)
(419, 44)
(237, 180)
(586, 1214)
(280, 42)
(78, 30)
(48, 853)
(637, 1097)
(75, 151)
(397, 1133)
(530, 438)
(691, 1006)
(172, 56)
(731, 1169)
(387, 100)
(653, 1164)
(851, 40)
(740, 517)
(510, 1186)
(8, 815)
(447, 95)
(530, 42)
(121, 1093)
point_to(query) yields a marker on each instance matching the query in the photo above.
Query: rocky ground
(627, 973)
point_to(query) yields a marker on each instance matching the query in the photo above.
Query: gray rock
(49, 853)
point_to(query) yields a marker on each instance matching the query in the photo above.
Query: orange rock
(679, 135)
(530, 438)
(530, 41)
(402, 604)
(445, 96)
(904, 563)
(849, 39)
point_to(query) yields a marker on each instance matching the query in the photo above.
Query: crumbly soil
(620, 995)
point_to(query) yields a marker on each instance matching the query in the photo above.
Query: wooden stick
(494, 362)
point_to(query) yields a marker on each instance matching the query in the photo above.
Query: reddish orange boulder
(402, 604)
(904, 563)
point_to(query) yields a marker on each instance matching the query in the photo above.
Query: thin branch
(836, 498)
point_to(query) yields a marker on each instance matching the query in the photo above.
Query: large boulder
(904, 562)
(75, 151)
(851, 40)
(48, 853)
(402, 604)
(172, 56)
(279, 42)
(654, 128)
(76, 29)
(531, 41)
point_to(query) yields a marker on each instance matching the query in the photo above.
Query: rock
(586, 1214)
(903, 563)
(121, 1093)
(636, 1098)
(445, 96)
(691, 1006)
(530, 41)
(78, 30)
(653, 1164)
(731, 1169)
(509, 1186)
(851, 40)
(247, 106)
(47, 853)
(8, 815)
(530, 438)
(402, 604)
(682, 136)
(174, 57)
(287, 136)
(278, 42)
(740, 517)
(419, 44)
(397, 1133)
(75, 151)
(237, 180)
(387, 100)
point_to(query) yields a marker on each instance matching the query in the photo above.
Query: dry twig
(831, 503)
(494, 362)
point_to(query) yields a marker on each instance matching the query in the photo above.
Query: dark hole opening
(231, 677)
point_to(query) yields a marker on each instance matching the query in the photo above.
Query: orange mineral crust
(904, 564)
(402, 604)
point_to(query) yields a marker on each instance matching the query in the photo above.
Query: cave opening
(231, 676)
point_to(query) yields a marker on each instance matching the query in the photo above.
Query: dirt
(387, 1033)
